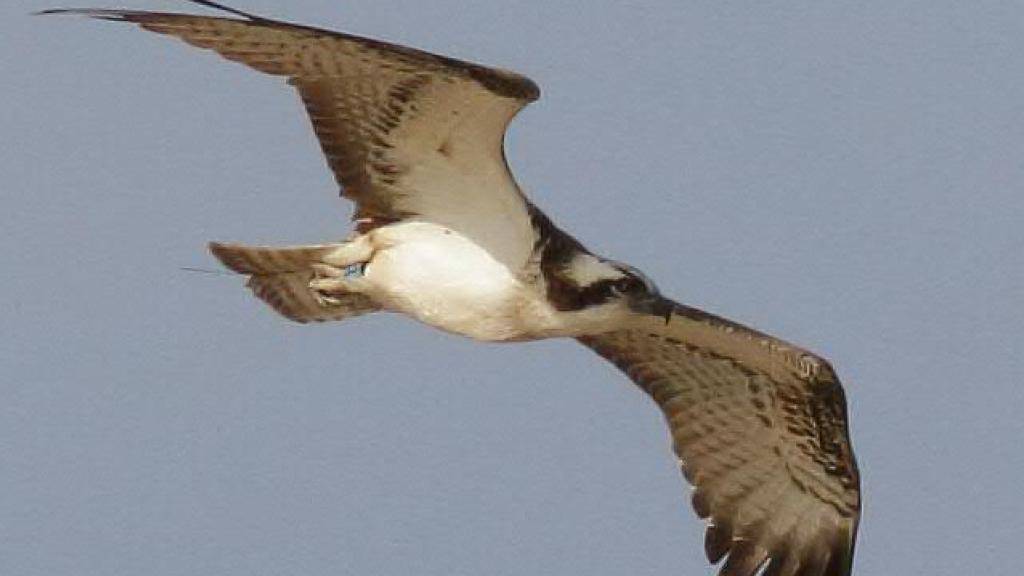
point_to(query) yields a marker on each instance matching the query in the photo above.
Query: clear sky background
(846, 176)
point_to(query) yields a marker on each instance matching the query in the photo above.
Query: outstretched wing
(408, 134)
(760, 428)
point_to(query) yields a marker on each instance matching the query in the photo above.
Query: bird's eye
(624, 285)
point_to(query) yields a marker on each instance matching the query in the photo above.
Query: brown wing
(760, 429)
(407, 134)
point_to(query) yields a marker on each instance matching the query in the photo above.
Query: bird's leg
(331, 284)
(341, 271)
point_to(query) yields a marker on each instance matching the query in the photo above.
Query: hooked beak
(655, 305)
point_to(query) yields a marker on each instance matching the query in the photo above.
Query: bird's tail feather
(280, 277)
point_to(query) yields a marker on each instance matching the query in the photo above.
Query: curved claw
(325, 271)
(330, 285)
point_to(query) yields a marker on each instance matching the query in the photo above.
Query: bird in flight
(444, 234)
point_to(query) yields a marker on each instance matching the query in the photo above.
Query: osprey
(443, 234)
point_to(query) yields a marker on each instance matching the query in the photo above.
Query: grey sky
(848, 177)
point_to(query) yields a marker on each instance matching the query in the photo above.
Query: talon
(324, 300)
(325, 271)
(323, 288)
(327, 285)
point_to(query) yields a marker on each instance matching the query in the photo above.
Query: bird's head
(600, 281)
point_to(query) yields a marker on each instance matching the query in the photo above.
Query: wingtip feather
(99, 13)
(122, 15)
(228, 9)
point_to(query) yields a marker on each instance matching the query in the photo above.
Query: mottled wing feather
(760, 429)
(406, 133)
